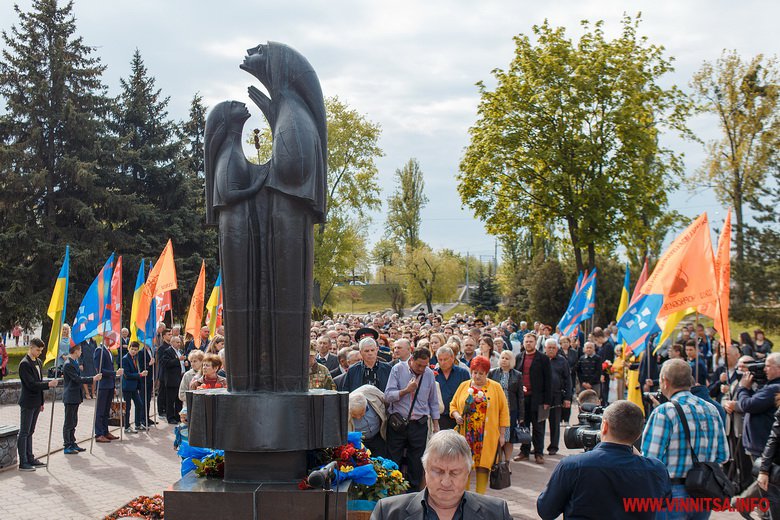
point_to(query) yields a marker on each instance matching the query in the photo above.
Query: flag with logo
(94, 313)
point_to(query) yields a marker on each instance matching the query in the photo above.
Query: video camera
(587, 434)
(757, 369)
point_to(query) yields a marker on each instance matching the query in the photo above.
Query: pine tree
(486, 296)
(53, 152)
(161, 176)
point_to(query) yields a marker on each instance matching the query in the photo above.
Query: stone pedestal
(8, 452)
(265, 436)
(193, 497)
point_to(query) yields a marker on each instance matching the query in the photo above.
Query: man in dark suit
(72, 397)
(124, 342)
(172, 367)
(132, 383)
(369, 371)
(324, 357)
(725, 375)
(537, 380)
(447, 463)
(163, 343)
(146, 363)
(353, 357)
(30, 403)
(561, 391)
(104, 363)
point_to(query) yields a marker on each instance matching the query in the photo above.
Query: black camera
(649, 396)
(587, 434)
(757, 369)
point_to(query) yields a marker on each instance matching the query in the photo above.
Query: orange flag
(161, 278)
(195, 315)
(723, 273)
(685, 275)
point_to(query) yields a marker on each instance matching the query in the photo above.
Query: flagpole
(53, 400)
(697, 349)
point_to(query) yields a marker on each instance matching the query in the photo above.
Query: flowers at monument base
(141, 507)
(372, 478)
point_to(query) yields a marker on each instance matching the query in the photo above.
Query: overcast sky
(409, 66)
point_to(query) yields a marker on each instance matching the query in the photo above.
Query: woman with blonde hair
(480, 409)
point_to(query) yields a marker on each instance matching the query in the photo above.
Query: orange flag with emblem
(723, 272)
(161, 278)
(685, 275)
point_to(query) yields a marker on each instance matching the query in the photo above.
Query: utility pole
(495, 258)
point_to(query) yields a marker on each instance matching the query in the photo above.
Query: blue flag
(639, 322)
(94, 313)
(582, 307)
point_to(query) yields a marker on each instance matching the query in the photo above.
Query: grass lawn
(15, 355)
(460, 308)
(359, 298)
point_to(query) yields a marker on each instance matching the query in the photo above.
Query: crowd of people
(498, 386)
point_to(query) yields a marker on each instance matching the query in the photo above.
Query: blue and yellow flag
(59, 300)
(213, 311)
(624, 298)
(94, 314)
(139, 284)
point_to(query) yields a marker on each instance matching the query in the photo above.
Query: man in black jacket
(589, 369)
(561, 392)
(537, 380)
(172, 366)
(163, 342)
(31, 403)
(72, 397)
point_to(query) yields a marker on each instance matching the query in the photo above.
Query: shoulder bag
(704, 479)
(398, 423)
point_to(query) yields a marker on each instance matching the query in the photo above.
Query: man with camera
(758, 406)
(665, 437)
(594, 484)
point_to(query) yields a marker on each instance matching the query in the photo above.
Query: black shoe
(26, 467)
(37, 463)
(78, 448)
(552, 451)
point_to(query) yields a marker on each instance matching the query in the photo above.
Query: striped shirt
(664, 436)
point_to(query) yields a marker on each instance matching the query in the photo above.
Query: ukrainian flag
(213, 304)
(139, 285)
(59, 300)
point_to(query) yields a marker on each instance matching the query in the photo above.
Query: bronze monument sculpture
(267, 419)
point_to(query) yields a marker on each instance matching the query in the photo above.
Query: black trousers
(555, 427)
(104, 398)
(29, 417)
(172, 403)
(133, 399)
(147, 396)
(69, 426)
(412, 441)
(377, 445)
(537, 429)
(161, 398)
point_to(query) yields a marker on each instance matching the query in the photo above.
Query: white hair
(448, 444)
(357, 402)
(551, 341)
(367, 342)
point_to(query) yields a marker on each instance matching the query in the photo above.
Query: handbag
(704, 479)
(500, 474)
(397, 422)
(520, 435)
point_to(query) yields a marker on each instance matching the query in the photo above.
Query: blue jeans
(678, 491)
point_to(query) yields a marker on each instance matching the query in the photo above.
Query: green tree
(55, 185)
(568, 139)
(384, 255)
(405, 205)
(164, 197)
(430, 275)
(485, 297)
(743, 95)
(547, 292)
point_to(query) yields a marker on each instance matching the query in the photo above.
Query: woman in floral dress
(481, 412)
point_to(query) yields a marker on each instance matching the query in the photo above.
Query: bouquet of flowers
(143, 507)
(372, 477)
(606, 369)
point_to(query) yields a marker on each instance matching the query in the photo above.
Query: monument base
(193, 497)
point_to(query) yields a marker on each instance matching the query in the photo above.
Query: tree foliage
(485, 298)
(430, 276)
(743, 95)
(55, 182)
(404, 207)
(568, 139)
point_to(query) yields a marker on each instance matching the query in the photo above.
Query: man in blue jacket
(133, 381)
(612, 464)
(72, 397)
(369, 371)
(104, 364)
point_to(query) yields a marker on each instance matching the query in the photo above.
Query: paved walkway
(91, 486)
